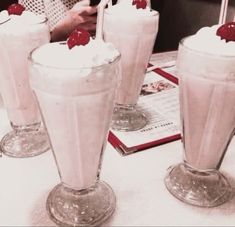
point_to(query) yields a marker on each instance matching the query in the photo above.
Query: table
(137, 180)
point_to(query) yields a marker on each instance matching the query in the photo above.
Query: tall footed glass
(133, 32)
(18, 36)
(207, 104)
(77, 105)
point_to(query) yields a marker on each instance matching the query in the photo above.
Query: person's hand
(81, 15)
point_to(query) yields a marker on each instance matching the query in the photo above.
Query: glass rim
(106, 11)
(44, 20)
(4, 21)
(181, 43)
(96, 67)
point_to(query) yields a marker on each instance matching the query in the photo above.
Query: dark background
(178, 18)
(5, 3)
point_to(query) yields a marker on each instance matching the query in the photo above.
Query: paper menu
(159, 101)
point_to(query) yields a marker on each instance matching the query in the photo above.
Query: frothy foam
(17, 24)
(126, 9)
(57, 54)
(28, 17)
(206, 40)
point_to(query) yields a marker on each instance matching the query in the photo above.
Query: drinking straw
(223, 11)
(110, 3)
(100, 18)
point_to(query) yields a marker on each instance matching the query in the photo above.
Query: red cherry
(227, 31)
(15, 9)
(78, 37)
(140, 4)
(72, 41)
(84, 36)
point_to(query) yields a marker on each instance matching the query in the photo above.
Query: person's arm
(82, 14)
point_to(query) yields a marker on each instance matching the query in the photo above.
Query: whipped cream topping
(126, 9)
(95, 53)
(207, 41)
(26, 18)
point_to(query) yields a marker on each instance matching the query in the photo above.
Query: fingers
(62, 30)
(81, 3)
(78, 19)
(81, 15)
(89, 10)
(89, 27)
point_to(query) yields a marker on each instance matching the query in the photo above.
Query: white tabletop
(137, 180)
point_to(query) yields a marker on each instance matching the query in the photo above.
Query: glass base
(25, 141)
(88, 207)
(199, 188)
(127, 118)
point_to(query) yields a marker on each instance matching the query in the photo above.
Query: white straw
(110, 3)
(223, 11)
(100, 18)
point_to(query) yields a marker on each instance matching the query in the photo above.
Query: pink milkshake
(212, 72)
(20, 34)
(75, 89)
(206, 68)
(133, 32)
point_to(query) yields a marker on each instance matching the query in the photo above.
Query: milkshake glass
(133, 31)
(18, 36)
(148, 2)
(76, 97)
(206, 68)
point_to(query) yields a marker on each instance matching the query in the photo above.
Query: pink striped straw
(223, 11)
